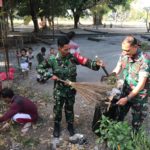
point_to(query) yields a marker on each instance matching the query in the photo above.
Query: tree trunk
(100, 20)
(36, 27)
(33, 14)
(49, 22)
(10, 12)
(94, 19)
(147, 23)
(76, 19)
(97, 20)
(11, 20)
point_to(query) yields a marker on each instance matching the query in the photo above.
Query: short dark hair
(71, 34)
(131, 40)
(30, 48)
(62, 41)
(23, 49)
(51, 48)
(7, 93)
(43, 49)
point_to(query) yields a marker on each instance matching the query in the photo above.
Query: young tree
(103, 8)
(33, 11)
(98, 12)
(147, 9)
(121, 14)
(50, 9)
(9, 8)
(45, 9)
(78, 7)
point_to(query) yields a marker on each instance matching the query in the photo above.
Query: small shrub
(119, 135)
(145, 46)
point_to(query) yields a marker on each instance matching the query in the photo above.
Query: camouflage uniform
(132, 69)
(64, 68)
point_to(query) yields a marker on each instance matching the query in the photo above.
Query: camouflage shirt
(63, 67)
(134, 68)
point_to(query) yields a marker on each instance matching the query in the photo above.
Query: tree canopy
(50, 9)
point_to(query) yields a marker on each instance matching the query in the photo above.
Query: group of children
(25, 57)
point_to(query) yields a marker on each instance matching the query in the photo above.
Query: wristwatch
(128, 98)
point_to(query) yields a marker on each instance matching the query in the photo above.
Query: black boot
(56, 132)
(71, 129)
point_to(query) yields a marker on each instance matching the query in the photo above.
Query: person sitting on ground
(21, 109)
(41, 56)
(74, 47)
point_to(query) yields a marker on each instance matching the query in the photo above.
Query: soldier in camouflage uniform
(64, 67)
(135, 68)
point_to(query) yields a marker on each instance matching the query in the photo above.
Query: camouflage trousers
(139, 108)
(67, 100)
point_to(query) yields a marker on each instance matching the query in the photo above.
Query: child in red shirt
(21, 109)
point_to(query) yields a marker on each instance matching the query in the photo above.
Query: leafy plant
(145, 46)
(27, 19)
(119, 135)
(140, 140)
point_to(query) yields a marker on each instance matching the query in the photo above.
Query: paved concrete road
(108, 50)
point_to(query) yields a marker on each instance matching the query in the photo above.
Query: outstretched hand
(65, 82)
(54, 77)
(5, 126)
(100, 63)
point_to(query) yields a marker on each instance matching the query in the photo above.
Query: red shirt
(21, 104)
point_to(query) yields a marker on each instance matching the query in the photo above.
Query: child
(24, 60)
(74, 47)
(41, 55)
(30, 57)
(21, 109)
(51, 52)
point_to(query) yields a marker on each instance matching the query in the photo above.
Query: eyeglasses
(127, 50)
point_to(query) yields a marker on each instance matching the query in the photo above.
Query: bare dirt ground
(40, 135)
